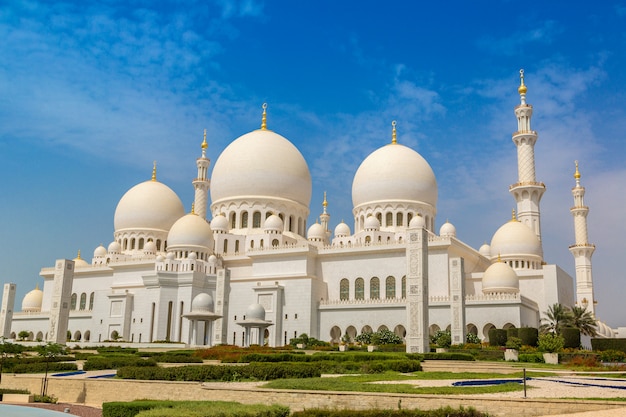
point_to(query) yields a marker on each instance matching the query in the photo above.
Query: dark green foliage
(441, 412)
(612, 356)
(512, 332)
(550, 342)
(131, 409)
(192, 409)
(116, 349)
(35, 368)
(115, 362)
(571, 337)
(497, 337)
(531, 357)
(168, 358)
(609, 344)
(448, 356)
(529, 336)
(12, 391)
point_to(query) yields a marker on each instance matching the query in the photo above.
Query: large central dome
(261, 164)
(394, 173)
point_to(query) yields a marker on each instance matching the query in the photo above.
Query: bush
(152, 408)
(364, 338)
(472, 339)
(38, 368)
(440, 412)
(550, 343)
(514, 343)
(116, 362)
(442, 338)
(448, 356)
(609, 344)
(571, 337)
(531, 357)
(528, 335)
(512, 332)
(612, 356)
(497, 337)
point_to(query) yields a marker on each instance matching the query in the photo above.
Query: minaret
(527, 192)
(582, 249)
(201, 183)
(324, 217)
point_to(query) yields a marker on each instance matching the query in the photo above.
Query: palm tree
(557, 317)
(584, 321)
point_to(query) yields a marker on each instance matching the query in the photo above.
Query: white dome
(219, 223)
(485, 250)
(193, 256)
(316, 231)
(150, 247)
(515, 238)
(261, 164)
(500, 277)
(114, 247)
(372, 223)
(394, 173)
(342, 230)
(190, 231)
(212, 259)
(170, 256)
(202, 302)
(149, 205)
(274, 223)
(447, 230)
(160, 258)
(417, 222)
(80, 262)
(100, 252)
(255, 311)
(32, 300)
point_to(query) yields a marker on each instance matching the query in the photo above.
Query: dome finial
(37, 286)
(204, 145)
(264, 118)
(513, 216)
(325, 202)
(78, 256)
(154, 171)
(193, 208)
(522, 87)
(577, 173)
(394, 137)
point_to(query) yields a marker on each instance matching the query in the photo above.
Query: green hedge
(448, 356)
(441, 412)
(531, 357)
(150, 408)
(512, 332)
(528, 335)
(571, 337)
(497, 337)
(37, 368)
(609, 344)
(116, 362)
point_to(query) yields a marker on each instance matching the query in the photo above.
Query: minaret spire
(154, 171)
(527, 191)
(325, 217)
(201, 182)
(394, 137)
(264, 117)
(582, 250)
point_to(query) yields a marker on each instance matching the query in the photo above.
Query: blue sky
(92, 92)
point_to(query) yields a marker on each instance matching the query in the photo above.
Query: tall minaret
(582, 249)
(527, 192)
(201, 183)
(324, 217)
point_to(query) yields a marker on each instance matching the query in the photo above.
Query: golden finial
(78, 256)
(193, 206)
(577, 173)
(264, 118)
(204, 143)
(522, 87)
(37, 286)
(513, 216)
(325, 203)
(394, 137)
(499, 258)
(154, 171)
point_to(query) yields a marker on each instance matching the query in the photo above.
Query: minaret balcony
(582, 246)
(528, 184)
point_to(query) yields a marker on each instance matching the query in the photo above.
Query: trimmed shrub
(612, 356)
(440, 412)
(512, 332)
(531, 357)
(497, 337)
(550, 343)
(571, 337)
(609, 344)
(448, 356)
(39, 368)
(116, 362)
(529, 336)
(152, 408)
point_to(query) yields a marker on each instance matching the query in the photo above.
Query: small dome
(500, 277)
(193, 256)
(274, 223)
(316, 231)
(202, 302)
(160, 258)
(114, 248)
(342, 230)
(417, 222)
(170, 256)
(515, 238)
(100, 252)
(32, 300)
(190, 231)
(372, 223)
(447, 230)
(255, 311)
(149, 205)
(219, 223)
(485, 250)
(79, 262)
(150, 247)
(212, 259)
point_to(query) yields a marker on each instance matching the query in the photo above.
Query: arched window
(252, 244)
(359, 289)
(344, 289)
(225, 245)
(256, 219)
(140, 243)
(132, 243)
(158, 244)
(244, 219)
(379, 216)
(390, 287)
(236, 246)
(233, 220)
(91, 296)
(399, 219)
(374, 288)
(83, 301)
(389, 219)
(368, 240)
(73, 302)
(275, 243)
(404, 286)
(408, 218)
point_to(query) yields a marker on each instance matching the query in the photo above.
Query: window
(390, 287)
(344, 289)
(389, 219)
(399, 219)
(233, 221)
(256, 219)
(91, 301)
(73, 302)
(379, 216)
(236, 246)
(244, 219)
(404, 286)
(275, 243)
(374, 288)
(83, 301)
(225, 246)
(408, 218)
(359, 289)
(141, 243)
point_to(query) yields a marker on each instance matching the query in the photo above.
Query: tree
(49, 351)
(7, 349)
(23, 335)
(584, 321)
(557, 317)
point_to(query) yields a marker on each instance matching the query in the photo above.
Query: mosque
(255, 274)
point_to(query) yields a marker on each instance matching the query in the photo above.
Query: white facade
(256, 268)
